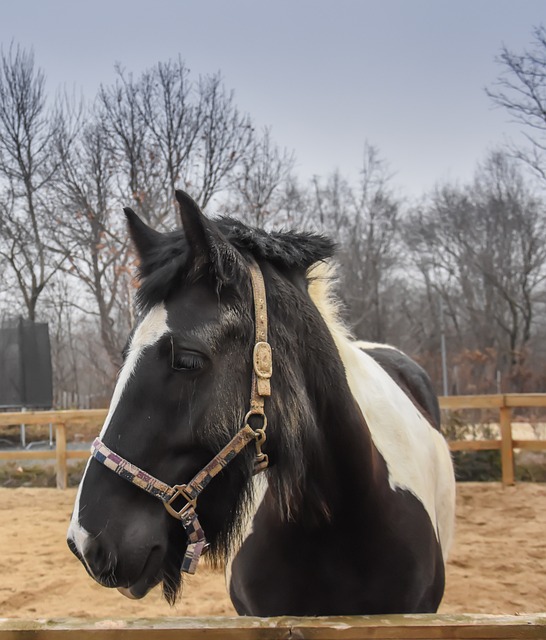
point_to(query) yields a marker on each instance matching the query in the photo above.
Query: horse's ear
(194, 223)
(205, 241)
(144, 238)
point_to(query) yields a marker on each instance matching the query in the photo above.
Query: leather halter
(260, 389)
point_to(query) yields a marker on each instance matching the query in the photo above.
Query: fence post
(60, 449)
(507, 450)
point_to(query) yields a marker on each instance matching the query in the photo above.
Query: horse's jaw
(128, 594)
(126, 591)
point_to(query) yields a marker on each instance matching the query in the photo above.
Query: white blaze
(149, 331)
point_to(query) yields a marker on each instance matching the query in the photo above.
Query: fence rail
(503, 402)
(388, 627)
(506, 444)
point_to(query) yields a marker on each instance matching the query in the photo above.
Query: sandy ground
(498, 564)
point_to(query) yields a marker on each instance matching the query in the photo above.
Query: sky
(327, 76)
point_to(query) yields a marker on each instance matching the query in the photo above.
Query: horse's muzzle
(102, 564)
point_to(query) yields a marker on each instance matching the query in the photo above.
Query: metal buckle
(261, 461)
(190, 502)
(263, 367)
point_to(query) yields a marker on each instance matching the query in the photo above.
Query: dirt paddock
(498, 564)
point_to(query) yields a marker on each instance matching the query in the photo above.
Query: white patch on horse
(149, 331)
(259, 488)
(363, 344)
(76, 533)
(153, 326)
(417, 456)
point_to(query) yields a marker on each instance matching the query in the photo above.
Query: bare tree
(331, 206)
(365, 222)
(169, 132)
(81, 368)
(139, 178)
(521, 90)
(261, 181)
(482, 248)
(27, 134)
(93, 233)
(226, 135)
(173, 113)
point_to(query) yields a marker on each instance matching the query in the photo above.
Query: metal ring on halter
(256, 412)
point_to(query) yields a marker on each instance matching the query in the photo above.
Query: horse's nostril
(101, 561)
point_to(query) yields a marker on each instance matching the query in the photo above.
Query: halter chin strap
(169, 495)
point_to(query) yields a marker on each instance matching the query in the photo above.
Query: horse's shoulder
(408, 375)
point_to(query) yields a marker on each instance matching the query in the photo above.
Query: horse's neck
(351, 464)
(354, 459)
(352, 453)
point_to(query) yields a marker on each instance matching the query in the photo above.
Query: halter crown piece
(261, 388)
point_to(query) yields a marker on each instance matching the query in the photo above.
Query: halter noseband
(261, 387)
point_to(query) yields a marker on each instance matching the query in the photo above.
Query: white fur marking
(417, 456)
(76, 532)
(259, 488)
(148, 332)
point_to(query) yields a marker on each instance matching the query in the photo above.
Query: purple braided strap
(197, 540)
(167, 494)
(188, 517)
(131, 472)
(196, 485)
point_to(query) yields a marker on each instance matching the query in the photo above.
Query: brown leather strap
(262, 369)
(261, 387)
(220, 460)
(262, 358)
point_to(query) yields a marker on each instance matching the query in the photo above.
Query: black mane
(284, 249)
(167, 264)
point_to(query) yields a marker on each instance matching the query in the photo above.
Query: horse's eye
(186, 362)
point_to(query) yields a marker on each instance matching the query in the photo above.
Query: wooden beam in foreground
(406, 627)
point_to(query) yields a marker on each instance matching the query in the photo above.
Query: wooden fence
(504, 403)
(60, 419)
(392, 627)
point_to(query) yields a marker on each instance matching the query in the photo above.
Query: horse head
(185, 388)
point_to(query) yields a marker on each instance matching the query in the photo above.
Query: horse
(247, 424)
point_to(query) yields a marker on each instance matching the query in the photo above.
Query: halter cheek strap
(169, 495)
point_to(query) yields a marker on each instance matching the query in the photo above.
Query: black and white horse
(354, 512)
